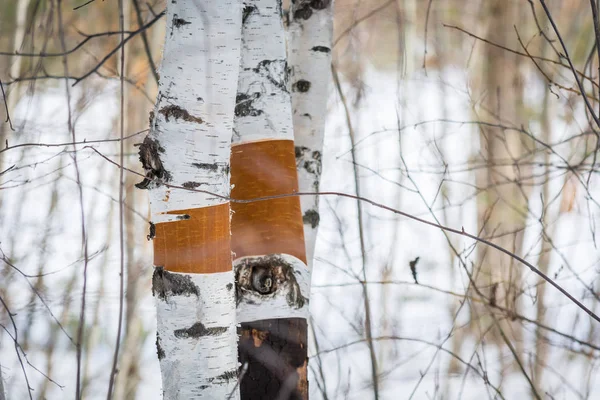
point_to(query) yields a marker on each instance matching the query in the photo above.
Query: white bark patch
(192, 122)
(310, 33)
(263, 105)
(196, 330)
(271, 286)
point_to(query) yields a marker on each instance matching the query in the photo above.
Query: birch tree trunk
(267, 236)
(189, 147)
(310, 33)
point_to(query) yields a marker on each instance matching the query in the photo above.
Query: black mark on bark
(310, 161)
(151, 119)
(159, 350)
(198, 330)
(247, 11)
(320, 4)
(214, 167)
(286, 18)
(303, 12)
(179, 22)
(244, 105)
(301, 86)
(191, 185)
(152, 164)
(321, 49)
(178, 113)
(225, 376)
(152, 233)
(312, 218)
(210, 167)
(165, 284)
(276, 71)
(183, 217)
(413, 269)
(267, 276)
(299, 151)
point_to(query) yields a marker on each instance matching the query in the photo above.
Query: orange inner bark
(198, 244)
(262, 169)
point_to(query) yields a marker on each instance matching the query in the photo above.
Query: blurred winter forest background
(466, 113)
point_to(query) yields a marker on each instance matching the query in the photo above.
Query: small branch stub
(275, 281)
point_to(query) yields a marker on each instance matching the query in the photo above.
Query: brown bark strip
(261, 169)
(199, 242)
(275, 351)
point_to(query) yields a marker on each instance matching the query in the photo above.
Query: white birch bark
(263, 112)
(310, 30)
(189, 145)
(196, 335)
(263, 108)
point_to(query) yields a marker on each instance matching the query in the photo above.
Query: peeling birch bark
(189, 145)
(310, 30)
(273, 280)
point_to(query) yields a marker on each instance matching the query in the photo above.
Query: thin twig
(140, 22)
(120, 45)
(597, 32)
(239, 379)
(363, 250)
(6, 107)
(86, 142)
(15, 339)
(469, 366)
(83, 5)
(425, 38)
(461, 232)
(518, 52)
(575, 75)
(84, 241)
(113, 371)
(539, 68)
(517, 359)
(361, 19)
